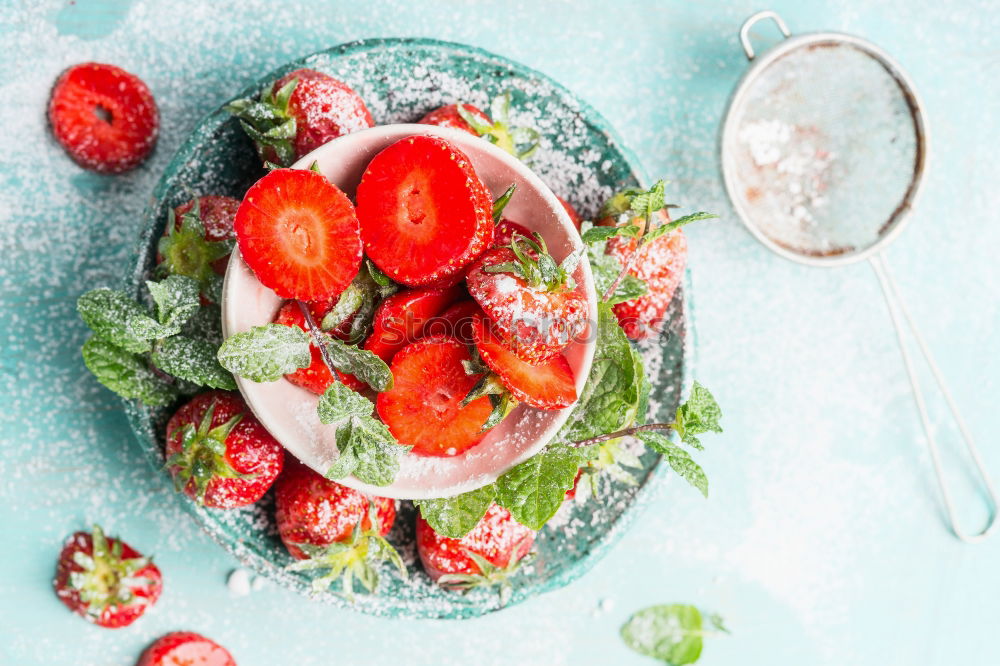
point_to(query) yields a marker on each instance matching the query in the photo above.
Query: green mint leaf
(606, 267)
(620, 202)
(371, 449)
(610, 398)
(645, 204)
(347, 304)
(454, 517)
(117, 319)
(671, 633)
(125, 373)
(598, 234)
(266, 353)
(678, 459)
(380, 278)
(699, 414)
(192, 360)
(361, 363)
(339, 403)
(205, 325)
(676, 224)
(502, 202)
(628, 289)
(176, 299)
(534, 490)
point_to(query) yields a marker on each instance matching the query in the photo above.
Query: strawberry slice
(424, 213)
(401, 318)
(423, 408)
(548, 385)
(456, 322)
(299, 234)
(315, 377)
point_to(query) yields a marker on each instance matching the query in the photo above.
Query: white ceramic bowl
(289, 412)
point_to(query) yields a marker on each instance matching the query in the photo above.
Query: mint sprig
(454, 517)
(671, 633)
(266, 353)
(534, 490)
(353, 360)
(126, 373)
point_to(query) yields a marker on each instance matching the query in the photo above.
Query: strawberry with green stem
(328, 526)
(218, 452)
(298, 113)
(104, 580)
(198, 241)
(488, 556)
(521, 142)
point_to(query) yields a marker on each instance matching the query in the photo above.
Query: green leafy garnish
(126, 373)
(187, 252)
(266, 353)
(671, 633)
(454, 517)
(268, 123)
(677, 224)
(502, 201)
(339, 403)
(534, 490)
(192, 360)
(117, 319)
(361, 363)
(698, 415)
(521, 142)
(678, 459)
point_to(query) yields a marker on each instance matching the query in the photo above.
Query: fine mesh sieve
(824, 149)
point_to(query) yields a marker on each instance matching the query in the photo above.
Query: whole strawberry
(218, 452)
(104, 117)
(185, 648)
(104, 580)
(300, 112)
(496, 127)
(486, 556)
(198, 241)
(535, 305)
(659, 263)
(327, 525)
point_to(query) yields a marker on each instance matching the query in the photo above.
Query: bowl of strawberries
(408, 330)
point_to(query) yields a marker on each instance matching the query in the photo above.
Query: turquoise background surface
(823, 540)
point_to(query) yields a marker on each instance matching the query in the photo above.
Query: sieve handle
(897, 307)
(757, 18)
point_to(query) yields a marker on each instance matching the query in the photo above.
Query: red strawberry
(487, 555)
(424, 213)
(456, 322)
(185, 648)
(505, 232)
(536, 318)
(300, 112)
(218, 452)
(423, 408)
(573, 215)
(105, 580)
(317, 377)
(199, 241)
(298, 232)
(547, 385)
(521, 142)
(401, 318)
(448, 116)
(104, 117)
(660, 264)
(571, 493)
(328, 525)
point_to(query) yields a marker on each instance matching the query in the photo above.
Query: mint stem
(317, 336)
(622, 433)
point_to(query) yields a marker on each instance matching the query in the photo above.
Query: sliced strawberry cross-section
(299, 234)
(547, 385)
(424, 213)
(423, 408)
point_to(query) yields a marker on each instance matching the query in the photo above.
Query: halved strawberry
(547, 385)
(423, 408)
(449, 116)
(185, 648)
(316, 377)
(401, 318)
(299, 234)
(456, 322)
(104, 117)
(536, 317)
(424, 213)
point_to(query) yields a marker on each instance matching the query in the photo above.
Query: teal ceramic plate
(582, 160)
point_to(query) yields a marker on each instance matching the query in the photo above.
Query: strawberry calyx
(107, 579)
(202, 457)
(489, 575)
(354, 558)
(535, 266)
(267, 121)
(490, 385)
(521, 142)
(187, 251)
